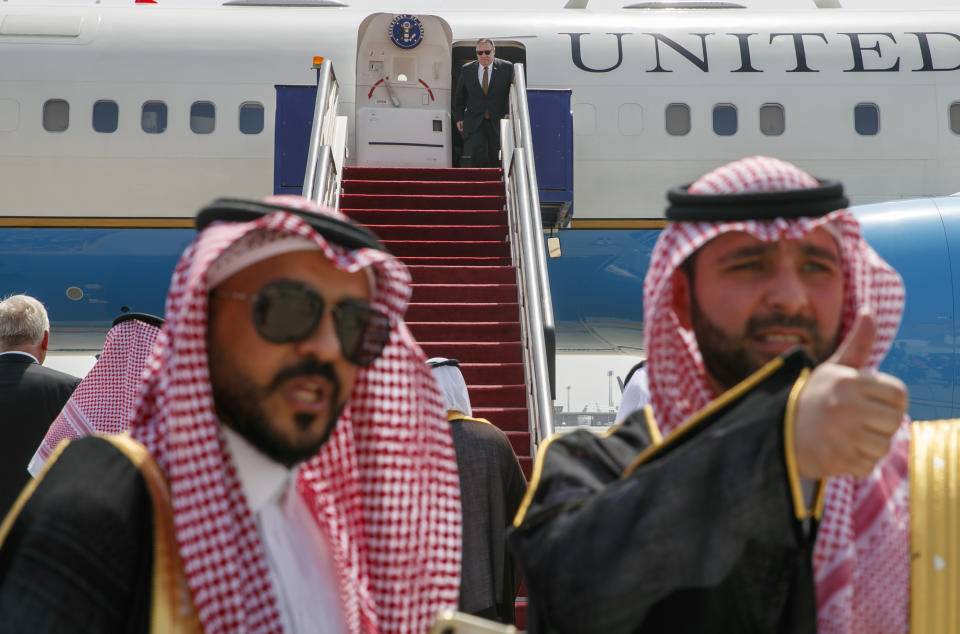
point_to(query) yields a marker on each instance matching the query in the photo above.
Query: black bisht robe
(491, 489)
(79, 556)
(701, 536)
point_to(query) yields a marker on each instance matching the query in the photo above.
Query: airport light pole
(609, 388)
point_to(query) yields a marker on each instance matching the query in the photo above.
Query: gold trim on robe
(935, 526)
(171, 606)
(709, 409)
(534, 482)
(800, 509)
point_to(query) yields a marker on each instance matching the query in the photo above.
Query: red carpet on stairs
(449, 226)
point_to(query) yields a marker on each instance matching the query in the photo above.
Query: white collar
(26, 354)
(263, 479)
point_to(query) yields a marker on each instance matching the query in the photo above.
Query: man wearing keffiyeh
(103, 400)
(288, 467)
(752, 494)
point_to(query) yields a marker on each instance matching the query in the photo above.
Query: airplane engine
(597, 294)
(917, 238)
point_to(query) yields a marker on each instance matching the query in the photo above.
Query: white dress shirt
(298, 555)
(26, 354)
(489, 74)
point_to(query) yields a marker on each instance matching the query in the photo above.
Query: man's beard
(727, 359)
(239, 403)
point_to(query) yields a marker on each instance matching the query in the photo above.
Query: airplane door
(403, 91)
(464, 51)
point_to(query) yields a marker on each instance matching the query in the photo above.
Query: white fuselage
(625, 68)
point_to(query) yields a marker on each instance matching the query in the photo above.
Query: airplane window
(105, 116)
(772, 120)
(631, 119)
(251, 117)
(678, 119)
(955, 117)
(724, 119)
(866, 118)
(56, 115)
(153, 117)
(202, 117)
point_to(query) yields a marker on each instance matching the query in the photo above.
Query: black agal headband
(791, 203)
(334, 230)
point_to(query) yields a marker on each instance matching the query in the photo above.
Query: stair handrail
(526, 227)
(327, 147)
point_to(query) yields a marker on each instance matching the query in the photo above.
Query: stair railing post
(528, 253)
(536, 368)
(525, 135)
(316, 175)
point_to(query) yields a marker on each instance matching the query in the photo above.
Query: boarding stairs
(449, 227)
(473, 241)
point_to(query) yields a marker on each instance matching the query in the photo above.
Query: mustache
(307, 367)
(756, 324)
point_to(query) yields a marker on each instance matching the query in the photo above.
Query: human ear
(681, 297)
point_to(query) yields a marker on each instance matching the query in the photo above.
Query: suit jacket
(31, 397)
(469, 102)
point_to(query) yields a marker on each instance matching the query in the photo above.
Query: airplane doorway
(465, 51)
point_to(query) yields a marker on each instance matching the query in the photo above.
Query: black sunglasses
(286, 311)
(484, 52)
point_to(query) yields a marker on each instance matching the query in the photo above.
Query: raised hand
(846, 416)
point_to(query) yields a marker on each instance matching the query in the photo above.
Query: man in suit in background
(480, 101)
(31, 395)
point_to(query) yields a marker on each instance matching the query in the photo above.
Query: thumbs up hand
(845, 417)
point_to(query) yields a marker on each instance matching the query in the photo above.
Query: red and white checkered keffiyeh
(861, 557)
(103, 401)
(384, 488)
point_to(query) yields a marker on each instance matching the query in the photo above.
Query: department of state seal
(406, 31)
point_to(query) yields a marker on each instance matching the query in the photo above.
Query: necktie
(483, 86)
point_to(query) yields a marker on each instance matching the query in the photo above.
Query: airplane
(118, 119)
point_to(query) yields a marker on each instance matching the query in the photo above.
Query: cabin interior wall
(464, 52)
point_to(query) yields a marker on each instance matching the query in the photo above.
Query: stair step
(462, 275)
(451, 233)
(520, 441)
(475, 352)
(419, 188)
(448, 260)
(405, 202)
(520, 613)
(506, 418)
(498, 395)
(526, 465)
(450, 228)
(423, 293)
(429, 216)
(466, 311)
(423, 173)
(465, 331)
(479, 248)
(476, 374)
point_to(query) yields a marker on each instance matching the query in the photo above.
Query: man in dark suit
(31, 395)
(480, 101)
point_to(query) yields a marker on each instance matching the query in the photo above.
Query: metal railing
(328, 142)
(538, 334)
